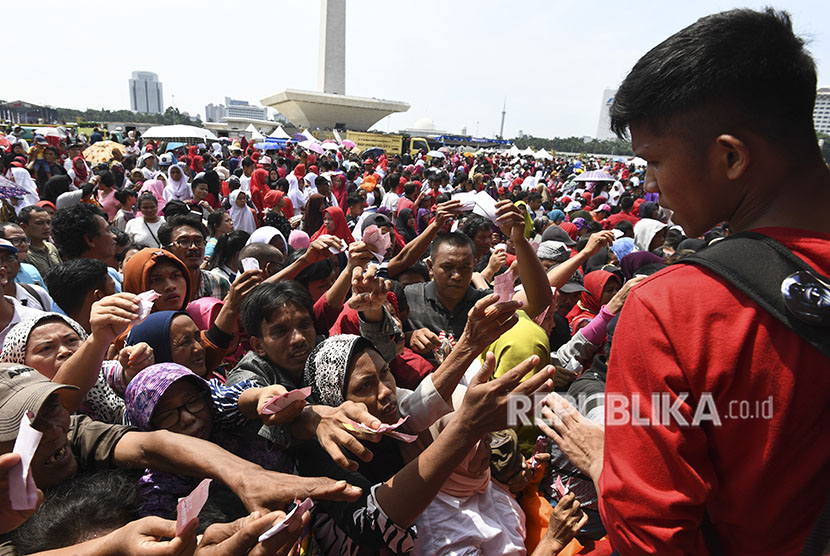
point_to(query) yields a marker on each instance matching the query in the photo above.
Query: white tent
(279, 133)
(514, 151)
(542, 155)
(309, 136)
(637, 161)
(179, 132)
(527, 152)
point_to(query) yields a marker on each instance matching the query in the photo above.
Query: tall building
(331, 65)
(215, 112)
(821, 112)
(241, 109)
(145, 93)
(604, 129)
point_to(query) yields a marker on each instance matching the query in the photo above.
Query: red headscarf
(272, 199)
(81, 173)
(339, 189)
(591, 301)
(259, 187)
(299, 171)
(197, 163)
(570, 228)
(341, 229)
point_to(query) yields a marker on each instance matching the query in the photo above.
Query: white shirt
(144, 233)
(21, 313)
(33, 302)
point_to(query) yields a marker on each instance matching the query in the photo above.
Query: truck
(391, 143)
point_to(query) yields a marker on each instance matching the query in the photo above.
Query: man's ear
(257, 346)
(97, 295)
(732, 156)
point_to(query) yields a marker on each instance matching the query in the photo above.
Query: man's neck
(10, 288)
(195, 281)
(36, 243)
(448, 304)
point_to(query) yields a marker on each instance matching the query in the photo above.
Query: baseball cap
(574, 284)
(604, 207)
(22, 389)
(166, 159)
(6, 245)
(40, 140)
(553, 251)
(265, 160)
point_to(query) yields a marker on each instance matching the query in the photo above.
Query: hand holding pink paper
(385, 429)
(249, 263)
(189, 507)
(503, 286)
(22, 488)
(278, 403)
(145, 305)
(377, 241)
(293, 516)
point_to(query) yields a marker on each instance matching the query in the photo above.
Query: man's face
(9, 262)
(188, 245)
(49, 156)
(535, 204)
(248, 170)
(53, 462)
(566, 301)
(288, 337)
(680, 172)
(102, 246)
(452, 271)
(39, 226)
(17, 237)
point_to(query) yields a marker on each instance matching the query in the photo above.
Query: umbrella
(271, 144)
(349, 144)
(330, 146)
(8, 189)
(373, 152)
(51, 132)
(179, 132)
(172, 146)
(436, 154)
(279, 133)
(445, 150)
(312, 146)
(595, 175)
(102, 151)
(298, 137)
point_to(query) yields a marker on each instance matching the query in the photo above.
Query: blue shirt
(29, 275)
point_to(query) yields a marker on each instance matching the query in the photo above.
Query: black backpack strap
(758, 265)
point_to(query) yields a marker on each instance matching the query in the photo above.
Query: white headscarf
(243, 218)
(177, 189)
(644, 232)
(265, 234)
(298, 197)
(24, 181)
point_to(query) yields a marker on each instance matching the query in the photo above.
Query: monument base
(310, 109)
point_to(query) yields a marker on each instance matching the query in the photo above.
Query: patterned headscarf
(327, 368)
(14, 348)
(147, 388)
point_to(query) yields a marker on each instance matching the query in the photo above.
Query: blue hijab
(622, 247)
(155, 331)
(556, 216)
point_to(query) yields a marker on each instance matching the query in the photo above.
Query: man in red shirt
(722, 112)
(625, 214)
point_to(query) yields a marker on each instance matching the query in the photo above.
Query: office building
(234, 108)
(821, 112)
(145, 93)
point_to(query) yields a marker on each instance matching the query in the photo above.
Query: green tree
(576, 145)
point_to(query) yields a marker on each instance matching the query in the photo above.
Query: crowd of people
(356, 329)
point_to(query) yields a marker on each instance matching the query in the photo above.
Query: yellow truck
(392, 144)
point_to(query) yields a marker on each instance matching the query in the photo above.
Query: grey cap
(556, 233)
(22, 389)
(553, 251)
(574, 284)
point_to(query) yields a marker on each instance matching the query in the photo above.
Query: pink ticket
(145, 305)
(278, 403)
(249, 263)
(503, 286)
(294, 515)
(560, 488)
(387, 429)
(22, 488)
(189, 507)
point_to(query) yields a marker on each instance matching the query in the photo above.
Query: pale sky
(453, 61)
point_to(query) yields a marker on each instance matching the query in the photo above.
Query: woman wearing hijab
(631, 263)
(275, 200)
(556, 216)
(570, 229)
(650, 209)
(177, 187)
(297, 192)
(424, 218)
(214, 183)
(313, 212)
(271, 236)
(601, 286)
(405, 224)
(23, 180)
(243, 216)
(154, 400)
(649, 235)
(622, 247)
(340, 189)
(156, 187)
(79, 172)
(259, 187)
(604, 257)
(334, 224)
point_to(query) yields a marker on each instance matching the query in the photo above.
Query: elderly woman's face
(50, 345)
(184, 408)
(371, 383)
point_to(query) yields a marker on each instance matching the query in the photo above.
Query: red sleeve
(324, 315)
(655, 478)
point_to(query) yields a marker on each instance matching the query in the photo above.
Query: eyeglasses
(18, 241)
(170, 419)
(188, 243)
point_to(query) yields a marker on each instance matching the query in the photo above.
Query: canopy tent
(514, 151)
(309, 136)
(527, 152)
(179, 132)
(279, 133)
(542, 155)
(637, 161)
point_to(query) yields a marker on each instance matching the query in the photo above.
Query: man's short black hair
(475, 224)
(165, 233)
(267, 297)
(247, 161)
(626, 202)
(746, 62)
(71, 226)
(26, 212)
(71, 281)
(453, 239)
(409, 188)
(354, 199)
(107, 178)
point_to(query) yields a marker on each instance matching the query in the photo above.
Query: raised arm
(416, 248)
